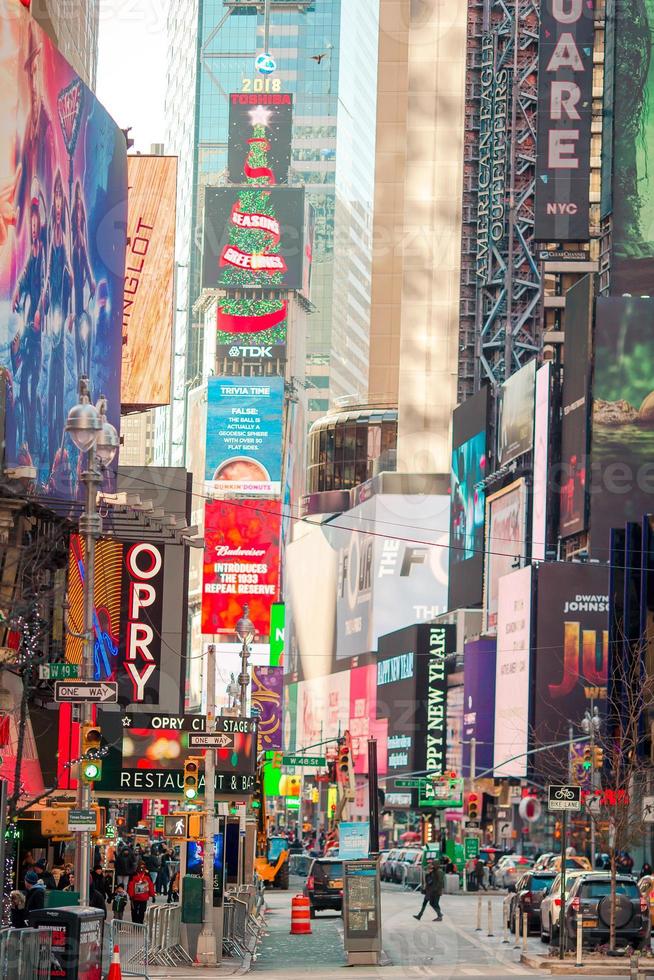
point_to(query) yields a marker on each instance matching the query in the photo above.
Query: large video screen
(260, 133)
(516, 414)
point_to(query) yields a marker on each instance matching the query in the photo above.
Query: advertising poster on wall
(513, 674)
(149, 275)
(267, 690)
(467, 514)
(63, 188)
(516, 414)
(565, 82)
(632, 265)
(572, 614)
(241, 564)
(479, 702)
(540, 485)
(506, 531)
(260, 124)
(244, 435)
(575, 406)
(623, 417)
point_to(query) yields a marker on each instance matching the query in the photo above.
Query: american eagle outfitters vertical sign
(565, 78)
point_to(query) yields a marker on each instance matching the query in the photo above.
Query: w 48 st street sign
(562, 798)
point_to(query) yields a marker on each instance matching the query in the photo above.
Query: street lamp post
(246, 631)
(209, 948)
(90, 431)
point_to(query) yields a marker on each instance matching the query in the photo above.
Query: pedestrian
(434, 883)
(163, 876)
(173, 890)
(64, 878)
(125, 864)
(41, 868)
(119, 902)
(17, 910)
(646, 870)
(480, 871)
(140, 889)
(99, 881)
(96, 898)
(35, 894)
(152, 863)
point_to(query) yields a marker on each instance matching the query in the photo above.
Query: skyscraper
(74, 29)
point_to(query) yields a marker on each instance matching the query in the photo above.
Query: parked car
(550, 906)
(324, 885)
(573, 862)
(506, 874)
(590, 896)
(388, 864)
(410, 869)
(529, 892)
(542, 863)
(401, 858)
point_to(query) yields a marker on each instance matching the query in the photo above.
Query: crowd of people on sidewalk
(139, 875)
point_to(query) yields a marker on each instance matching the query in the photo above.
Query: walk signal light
(598, 758)
(587, 761)
(191, 778)
(473, 806)
(91, 764)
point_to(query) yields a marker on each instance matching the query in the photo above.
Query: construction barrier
(300, 916)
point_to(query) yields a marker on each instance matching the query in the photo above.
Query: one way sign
(102, 693)
(210, 740)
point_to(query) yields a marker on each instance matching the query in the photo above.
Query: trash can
(452, 885)
(76, 941)
(472, 882)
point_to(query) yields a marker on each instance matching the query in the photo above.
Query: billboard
(513, 674)
(266, 696)
(540, 486)
(260, 133)
(565, 83)
(516, 414)
(253, 238)
(363, 722)
(392, 567)
(572, 621)
(623, 413)
(575, 409)
(241, 563)
(63, 188)
(244, 435)
(632, 113)
(479, 702)
(506, 532)
(467, 509)
(146, 754)
(149, 281)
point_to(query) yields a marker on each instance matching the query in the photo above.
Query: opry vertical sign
(565, 78)
(141, 623)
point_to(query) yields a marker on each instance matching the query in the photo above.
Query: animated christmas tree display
(252, 258)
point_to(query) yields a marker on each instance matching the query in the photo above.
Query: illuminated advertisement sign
(63, 188)
(539, 524)
(506, 528)
(260, 133)
(253, 237)
(572, 626)
(149, 267)
(241, 564)
(277, 630)
(513, 674)
(575, 423)
(468, 499)
(565, 80)
(479, 702)
(516, 415)
(441, 640)
(363, 722)
(146, 754)
(244, 435)
(267, 688)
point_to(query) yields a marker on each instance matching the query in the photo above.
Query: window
(598, 889)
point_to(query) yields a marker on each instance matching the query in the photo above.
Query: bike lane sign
(563, 798)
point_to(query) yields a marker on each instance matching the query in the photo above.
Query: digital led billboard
(467, 502)
(479, 702)
(241, 563)
(575, 422)
(244, 435)
(622, 478)
(513, 674)
(565, 83)
(149, 274)
(542, 455)
(506, 546)
(63, 214)
(572, 640)
(516, 414)
(260, 133)
(266, 696)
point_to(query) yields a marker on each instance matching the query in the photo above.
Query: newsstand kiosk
(76, 941)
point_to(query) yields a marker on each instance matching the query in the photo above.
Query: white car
(550, 907)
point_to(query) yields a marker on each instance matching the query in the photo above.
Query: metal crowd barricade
(132, 941)
(163, 924)
(25, 954)
(4, 950)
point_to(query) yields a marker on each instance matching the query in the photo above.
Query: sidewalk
(279, 949)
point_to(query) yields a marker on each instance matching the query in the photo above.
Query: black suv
(590, 896)
(324, 887)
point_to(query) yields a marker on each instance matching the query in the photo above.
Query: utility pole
(266, 26)
(209, 951)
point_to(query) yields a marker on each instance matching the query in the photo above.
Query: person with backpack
(140, 889)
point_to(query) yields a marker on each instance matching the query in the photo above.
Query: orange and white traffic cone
(115, 973)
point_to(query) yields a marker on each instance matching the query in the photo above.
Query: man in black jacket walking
(434, 884)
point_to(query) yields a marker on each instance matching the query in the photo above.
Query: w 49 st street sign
(563, 798)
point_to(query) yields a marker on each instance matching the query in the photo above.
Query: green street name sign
(58, 672)
(409, 783)
(470, 847)
(304, 760)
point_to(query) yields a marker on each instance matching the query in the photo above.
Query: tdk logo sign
(250, 352)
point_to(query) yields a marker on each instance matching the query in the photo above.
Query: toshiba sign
(564, 120)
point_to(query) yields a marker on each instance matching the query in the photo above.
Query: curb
(608, 966)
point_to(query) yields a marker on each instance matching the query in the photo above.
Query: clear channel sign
(562, 798)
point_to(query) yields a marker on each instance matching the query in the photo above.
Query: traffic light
(255, 802)
(91, 764)
(473, 806)
(344, 761)
(587, 761)
(196, 826)
(191, 778)
(598, 758)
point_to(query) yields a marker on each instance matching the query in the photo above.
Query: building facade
(74, 29)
